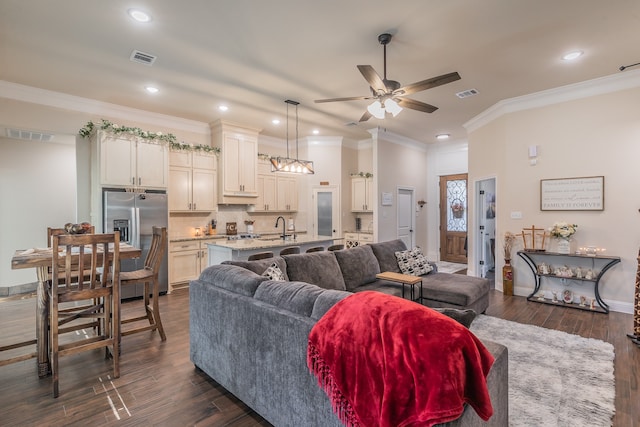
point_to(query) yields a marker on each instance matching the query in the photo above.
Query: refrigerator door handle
(135, 227)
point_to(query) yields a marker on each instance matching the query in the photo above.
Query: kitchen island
(226, 250)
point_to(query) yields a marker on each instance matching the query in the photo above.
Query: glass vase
(564, 246)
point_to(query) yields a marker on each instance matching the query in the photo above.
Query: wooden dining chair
(335, 247)
(51, 231)
(316, 249)
(148, 276)
(290, 250)
(88, 256)
(260, 255)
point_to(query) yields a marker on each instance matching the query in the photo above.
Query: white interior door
(326, 211)
(486, 220)
(406, 216)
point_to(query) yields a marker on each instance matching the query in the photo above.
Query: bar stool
(290, 250)
(335, 248)
(148, 276)
(316, 249)
(260, 255)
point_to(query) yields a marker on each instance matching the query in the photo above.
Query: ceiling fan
(388, 94)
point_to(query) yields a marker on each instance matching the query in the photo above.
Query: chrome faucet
(284, 227)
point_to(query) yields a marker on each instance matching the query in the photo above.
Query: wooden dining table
(41, 260)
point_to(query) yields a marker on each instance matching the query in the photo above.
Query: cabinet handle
(194, 207)
(133, 180)
(139, 181)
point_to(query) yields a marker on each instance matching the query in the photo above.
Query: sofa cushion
(318, 268)
(385, 252)
(273, 272)
(464, 317)
(413, 262)
(296, 297)
(359, 266)
(260, 266)
(456, 289)
(233, 278)
(325, 301)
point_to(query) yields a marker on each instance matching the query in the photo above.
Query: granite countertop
(224, 236)
(269, 242)
(358, 232)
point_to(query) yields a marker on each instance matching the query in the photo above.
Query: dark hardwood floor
(159, 386)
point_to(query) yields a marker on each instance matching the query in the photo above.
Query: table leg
(42, 324)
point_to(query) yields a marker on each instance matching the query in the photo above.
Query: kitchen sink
(270, 239)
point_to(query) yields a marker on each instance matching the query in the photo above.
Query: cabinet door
(287, 193)
(180, 189)
(358, 194)
(185, 266)
(266, 193)
(368, 194)
(180, 158)
(230, 165)
(204, 161)
(152, 163)
(249, 165)
(204, 193)
(117, 162)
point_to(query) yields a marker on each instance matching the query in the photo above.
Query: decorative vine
(363, 174)
(157, 137)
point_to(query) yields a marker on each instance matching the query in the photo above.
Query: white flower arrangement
(563, 230)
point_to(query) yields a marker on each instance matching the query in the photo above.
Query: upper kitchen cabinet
(238, 162)
(277, 192)
(361, 194)
(131, 162)
(192, 181)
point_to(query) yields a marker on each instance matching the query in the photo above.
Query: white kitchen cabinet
(351, 240)
(277, 192)
(187, 259)
(192, 181)
(131, 162)
(238, 173)
(362, 194)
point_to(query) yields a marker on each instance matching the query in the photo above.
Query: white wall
(586, 135)
(37, 190)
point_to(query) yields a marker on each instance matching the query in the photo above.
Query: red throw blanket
(388, 362)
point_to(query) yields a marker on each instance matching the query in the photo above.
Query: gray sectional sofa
(249, 334)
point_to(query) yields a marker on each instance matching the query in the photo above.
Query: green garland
(363, 174)
(168, 138)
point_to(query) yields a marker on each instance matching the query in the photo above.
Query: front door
(453, 218)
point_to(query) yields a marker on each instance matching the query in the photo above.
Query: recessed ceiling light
(223, 108)
(139, 15)
(442, 136)
(275, 121)
(151, 89)
(570, 56)
(316, 131)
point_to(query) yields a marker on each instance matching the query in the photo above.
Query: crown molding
(603, 85)
(394, 138)
(64, 101)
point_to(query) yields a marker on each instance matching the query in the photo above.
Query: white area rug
(555, 378)
(449, 267)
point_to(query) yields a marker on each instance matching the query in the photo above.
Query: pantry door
(453, 218)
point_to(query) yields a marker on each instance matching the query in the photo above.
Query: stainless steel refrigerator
(134, 215)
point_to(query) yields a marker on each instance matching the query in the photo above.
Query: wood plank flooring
(159, 385)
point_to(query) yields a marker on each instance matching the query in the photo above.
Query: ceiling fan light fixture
(392, 107)
(376, 110)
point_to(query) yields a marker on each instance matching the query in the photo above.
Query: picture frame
(572, 194)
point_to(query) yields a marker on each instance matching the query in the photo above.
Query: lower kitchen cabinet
(351, 240)
(187, 259)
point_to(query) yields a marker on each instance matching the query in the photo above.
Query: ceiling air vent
(29, 135)
(349, 124)
(142, 58)
(467, 93)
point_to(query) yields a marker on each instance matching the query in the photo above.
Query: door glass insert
(457, 205)
(325, 226)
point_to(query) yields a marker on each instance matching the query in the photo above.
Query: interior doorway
(453, 218)
(486, 219)
(406, 216)
(326, 211)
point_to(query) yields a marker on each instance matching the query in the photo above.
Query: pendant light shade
(289, 164)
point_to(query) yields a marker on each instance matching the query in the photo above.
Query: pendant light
(288, 164)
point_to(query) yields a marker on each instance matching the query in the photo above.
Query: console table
(598, 262)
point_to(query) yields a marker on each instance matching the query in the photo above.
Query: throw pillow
(464, 317)
(274, 273)
(413, 262)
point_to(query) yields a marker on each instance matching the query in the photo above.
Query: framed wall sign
(387, 199)
(572, 194)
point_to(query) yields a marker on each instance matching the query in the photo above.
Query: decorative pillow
(274, 273)
(464, 317)
(413, 262)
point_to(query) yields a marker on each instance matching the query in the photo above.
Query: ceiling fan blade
(427, 84)
(366, 116)
(351, 98)
(373, 78)
(415, 105)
